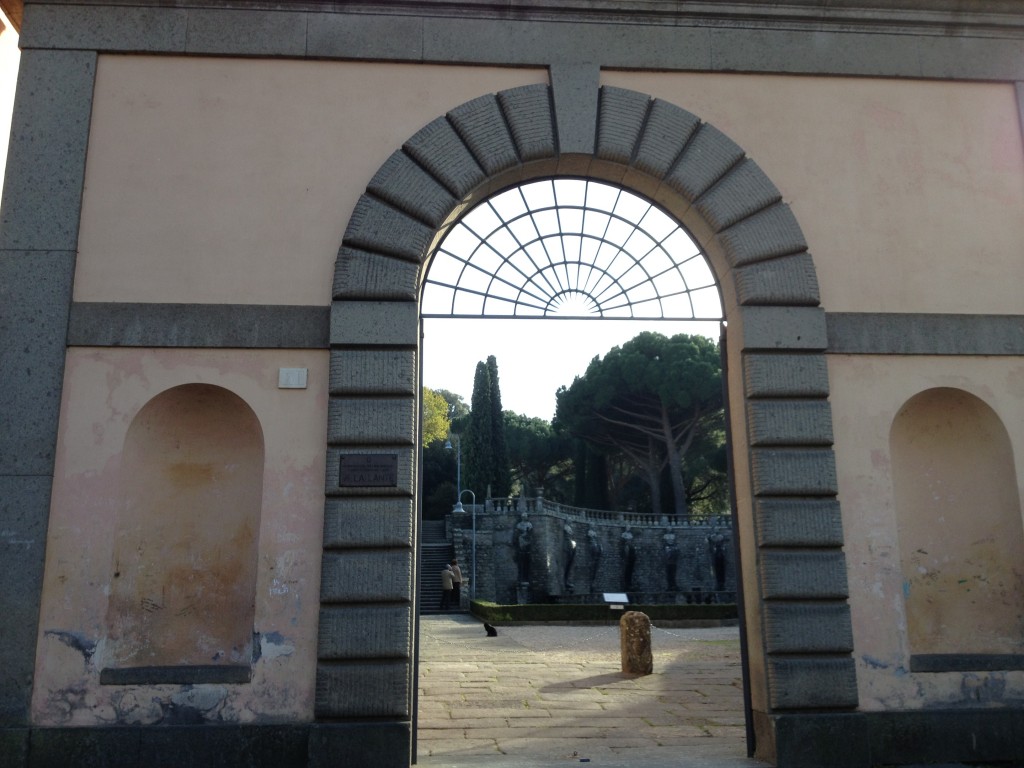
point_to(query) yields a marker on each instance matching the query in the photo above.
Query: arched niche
(961, 536)
(183, 578)
(792, 564)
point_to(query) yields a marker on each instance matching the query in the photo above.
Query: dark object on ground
(491, 631)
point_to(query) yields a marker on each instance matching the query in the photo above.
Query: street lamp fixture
(458, 469)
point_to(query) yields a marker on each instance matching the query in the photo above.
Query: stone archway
(792, 562)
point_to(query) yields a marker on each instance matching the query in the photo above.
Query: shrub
(569, 613)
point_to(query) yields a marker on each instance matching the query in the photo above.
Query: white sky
(535, 356)
(528, 244)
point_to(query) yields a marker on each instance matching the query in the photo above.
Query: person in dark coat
(447, 587)
(456, 581)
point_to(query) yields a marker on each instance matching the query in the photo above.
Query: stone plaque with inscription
(379, 470)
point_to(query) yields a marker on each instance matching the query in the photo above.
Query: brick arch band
(793, 567)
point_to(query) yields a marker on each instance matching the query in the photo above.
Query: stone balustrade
(530, 549)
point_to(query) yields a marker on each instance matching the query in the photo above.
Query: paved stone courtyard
(539, 694)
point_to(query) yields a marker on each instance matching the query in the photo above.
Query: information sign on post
(617, 601)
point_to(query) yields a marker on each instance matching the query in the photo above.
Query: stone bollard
(635, 642)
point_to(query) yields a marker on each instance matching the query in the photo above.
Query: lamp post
(458, 508)
(472, 566)
(458, 469)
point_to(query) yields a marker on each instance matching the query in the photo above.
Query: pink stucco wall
(104, 390)
(867, 394)
(230, 181)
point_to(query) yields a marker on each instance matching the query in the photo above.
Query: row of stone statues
(523, 542)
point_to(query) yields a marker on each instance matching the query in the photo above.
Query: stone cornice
(838, 38)
(940, 17)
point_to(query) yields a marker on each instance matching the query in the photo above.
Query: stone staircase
(435, 551)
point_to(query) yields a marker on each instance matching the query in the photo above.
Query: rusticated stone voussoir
(528, 113)
(666, 132)
(360, 274)
(798, 522)
(381, 688)
(789, 422)
(366, 420)
(803, 575)
(373, 522)
(771, 232)
(785, 375)
(742, 192)
(812, 682)
(374, 323)
(441, 151)
(366, 576)
(365, 631)
(706, 158)
(620, 120)
(353, 523)
(481, 126)
(788, 280)
(373, 372)
(793, 471)
(404, 184)
(783, 328)
(381, 228)
(808, 627)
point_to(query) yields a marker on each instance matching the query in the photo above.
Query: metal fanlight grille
(569, 248)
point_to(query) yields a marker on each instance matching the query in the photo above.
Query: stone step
(433, 557)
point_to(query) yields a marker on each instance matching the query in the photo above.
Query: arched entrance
(792, 562)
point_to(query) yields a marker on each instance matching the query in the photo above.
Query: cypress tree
(500, 476)
(479, 440)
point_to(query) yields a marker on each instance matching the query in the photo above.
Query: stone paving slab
(543, 695)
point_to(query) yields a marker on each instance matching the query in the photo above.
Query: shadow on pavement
(543, 695)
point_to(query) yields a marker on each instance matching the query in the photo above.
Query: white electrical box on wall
(292, 378)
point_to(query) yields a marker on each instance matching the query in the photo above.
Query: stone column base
(302, 745)
(866, 739)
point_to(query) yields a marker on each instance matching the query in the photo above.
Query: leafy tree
(707, 478)
(538, 457)
(591, 472)
(435, 417)
(439, 473)
(457, 407)
(649, 399)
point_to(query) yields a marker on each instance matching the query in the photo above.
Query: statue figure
(595, 551)
(521, 542)
(569, 552)
(628, 559)
(716, 548)
(671, 551)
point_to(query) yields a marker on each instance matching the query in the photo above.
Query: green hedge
(537, 612)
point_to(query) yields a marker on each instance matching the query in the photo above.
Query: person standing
(447, 587)
(456, 581)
